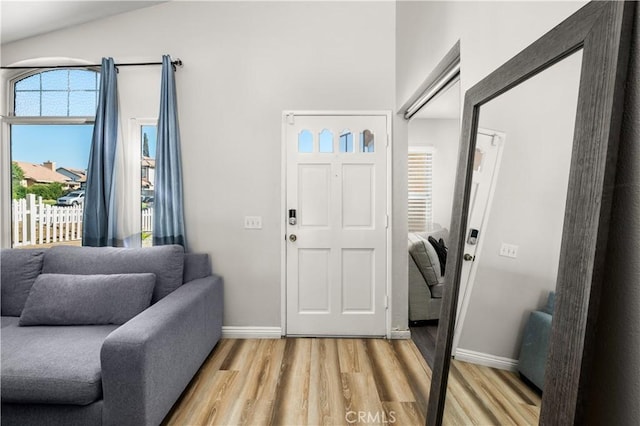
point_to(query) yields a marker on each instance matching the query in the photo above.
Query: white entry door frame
(489, 148)
(381, 141)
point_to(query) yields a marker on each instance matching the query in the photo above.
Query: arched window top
(57, 93)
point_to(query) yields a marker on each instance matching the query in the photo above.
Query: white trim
(283, 207)
(400, 334)
(11, 119)
(466, 297)
(386, 113)
(283, 227)
(389, 242)
(232, 332)
(487, 360)
(5, 186)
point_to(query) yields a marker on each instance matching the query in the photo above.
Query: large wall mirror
(538, 148)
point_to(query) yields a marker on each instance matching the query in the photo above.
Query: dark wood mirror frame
(602, 30)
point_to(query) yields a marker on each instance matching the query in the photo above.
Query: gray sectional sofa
(103, 336)
(426, 278)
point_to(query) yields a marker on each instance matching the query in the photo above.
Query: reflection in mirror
(434, 134)
(512, 248)
(367, 143)
(478, 158)
(346, 141)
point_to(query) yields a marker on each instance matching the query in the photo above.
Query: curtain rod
(177, 62)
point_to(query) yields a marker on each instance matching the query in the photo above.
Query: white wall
(490, 33)
(244, 63)
(443, 135)
(538, 118)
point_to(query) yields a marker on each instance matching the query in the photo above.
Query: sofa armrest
(148, 361)
(422, 303)
(535, 347)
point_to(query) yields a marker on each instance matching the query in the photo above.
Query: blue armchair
(535, 344)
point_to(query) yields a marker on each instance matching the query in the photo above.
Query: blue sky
(66, 145)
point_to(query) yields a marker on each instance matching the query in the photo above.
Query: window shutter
(420, 190)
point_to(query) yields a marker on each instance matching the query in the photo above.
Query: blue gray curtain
(99, 220)
(168, 215)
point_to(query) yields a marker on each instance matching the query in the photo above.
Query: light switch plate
(509, 250)
(253, 222)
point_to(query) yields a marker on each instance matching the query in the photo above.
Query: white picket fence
(147, 220)
(35, 223)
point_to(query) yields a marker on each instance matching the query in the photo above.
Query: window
(326, 141)
(50, 132)
(57, 93)
(305, 141)
(420, 189)
(148, 138)
(346, 141)
(367, 141)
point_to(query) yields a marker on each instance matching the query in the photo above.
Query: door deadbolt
(293, 238)
(473, 237)
(467, 257)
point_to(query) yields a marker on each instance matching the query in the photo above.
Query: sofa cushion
(9, 321)
(61, 299)
(196, 265)
(166, 262)
(441, 250)
(52, 365)
(19, 268)
(439, 233)
(426, 259)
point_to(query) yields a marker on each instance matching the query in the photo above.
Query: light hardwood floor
(481, 395)
(307, 382)
(301, 381)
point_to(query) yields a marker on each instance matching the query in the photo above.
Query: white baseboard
(231, 332)
(400, 334)
(487, 360)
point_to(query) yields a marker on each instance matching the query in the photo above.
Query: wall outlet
(253, 222)
(509, 250)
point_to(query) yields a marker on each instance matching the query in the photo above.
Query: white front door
(486, 164)
(336, 246)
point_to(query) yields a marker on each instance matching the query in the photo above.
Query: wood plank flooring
(481, 395)
(424, 335)
(303, 381)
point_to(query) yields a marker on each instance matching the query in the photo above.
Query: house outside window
(148, 132)
(50, 123)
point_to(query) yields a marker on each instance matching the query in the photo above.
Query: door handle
(468, 257)
(293, 238)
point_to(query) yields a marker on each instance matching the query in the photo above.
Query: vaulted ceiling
(23, 19)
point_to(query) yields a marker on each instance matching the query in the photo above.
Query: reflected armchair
(426, 280)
